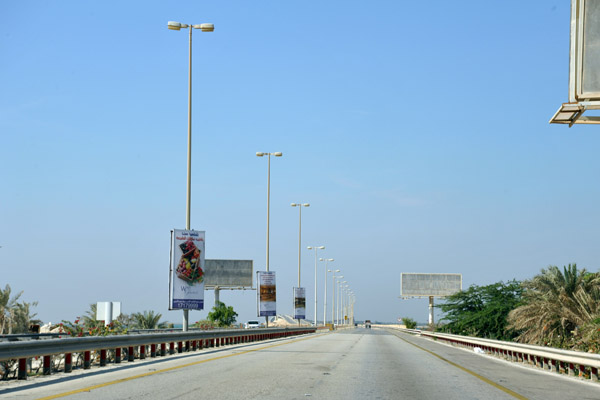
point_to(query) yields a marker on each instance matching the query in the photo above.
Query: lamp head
(278, 154)
(306, 205)
(205, 27)
(259, 154)
(175, 26)
(293, 204)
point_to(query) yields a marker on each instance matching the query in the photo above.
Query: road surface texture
(351, 364)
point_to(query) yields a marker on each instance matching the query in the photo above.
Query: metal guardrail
(137, 343)
(572, 363)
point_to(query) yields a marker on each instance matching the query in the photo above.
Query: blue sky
(417, 131)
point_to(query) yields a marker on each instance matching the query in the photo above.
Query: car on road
(368, 323)
(252, 324)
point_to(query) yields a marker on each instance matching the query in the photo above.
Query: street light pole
(337, 299)
(315, 248)
(299, 205)
(204, 28)
(276, 154)
(325, 286)
(333, 297)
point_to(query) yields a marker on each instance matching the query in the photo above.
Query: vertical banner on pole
(299, 303)
(186, 278)
(267, 294)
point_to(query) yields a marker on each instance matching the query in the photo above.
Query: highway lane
(352, 364)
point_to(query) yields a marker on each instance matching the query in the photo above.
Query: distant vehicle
(368, 323)
(252, 325)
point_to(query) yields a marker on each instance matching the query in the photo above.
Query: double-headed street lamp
(299, 205)
(325, 286)
(333, 296)
(204, 28)
(276, 154)
(336, 292)
(315, 248)
(341, 299)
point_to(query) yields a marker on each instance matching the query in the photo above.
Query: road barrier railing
(572, 363)
(158, 344)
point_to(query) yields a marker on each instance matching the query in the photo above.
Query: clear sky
(418, 131)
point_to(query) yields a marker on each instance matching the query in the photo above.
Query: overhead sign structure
(267, 294)
(429, 285)
(186, 278)
(584, 65)
(228, 274)
(299, 303)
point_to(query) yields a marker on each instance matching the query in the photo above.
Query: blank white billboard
(426, 285)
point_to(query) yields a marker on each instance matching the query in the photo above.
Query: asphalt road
(352, 364)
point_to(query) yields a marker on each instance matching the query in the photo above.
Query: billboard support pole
(217, 291)
(431, 311)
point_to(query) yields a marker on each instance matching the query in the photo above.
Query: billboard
(228, 274)
(267, 294)
(584, 77)
(186, 277)
(427, 285)
(299, 303)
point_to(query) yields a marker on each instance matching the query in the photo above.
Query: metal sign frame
(584, 55)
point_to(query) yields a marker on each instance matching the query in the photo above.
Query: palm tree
(148, 320)
(556, 303)
(14, 316)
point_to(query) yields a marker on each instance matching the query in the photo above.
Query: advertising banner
(186, 278)
(299, 303)
(267, 294)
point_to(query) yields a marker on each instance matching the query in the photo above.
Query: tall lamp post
(325, 286)
(337, 298)
(333, 296)
(204, 28)
(315, 248)
(341, 299)
(276, 154)
(299, 205)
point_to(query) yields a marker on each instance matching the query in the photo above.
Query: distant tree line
(16, 317)
(557, 307)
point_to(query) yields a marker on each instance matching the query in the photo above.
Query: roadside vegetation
(15, 315)
(222, 315)
(558, 308)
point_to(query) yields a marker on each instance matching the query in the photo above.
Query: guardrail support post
(103, 358)
(172, 348)
(187, 345)
(194, 346)
(163, 349)
(130, 354)
(153, 350)
(47, 365)
(87, 363)
(68, 362)
(118, 355)
(581, 371)
(143, 352)
(594, 374)
(179, 347)
(571, 369)
(22, 375)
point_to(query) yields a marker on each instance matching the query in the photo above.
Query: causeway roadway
(347, 364)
